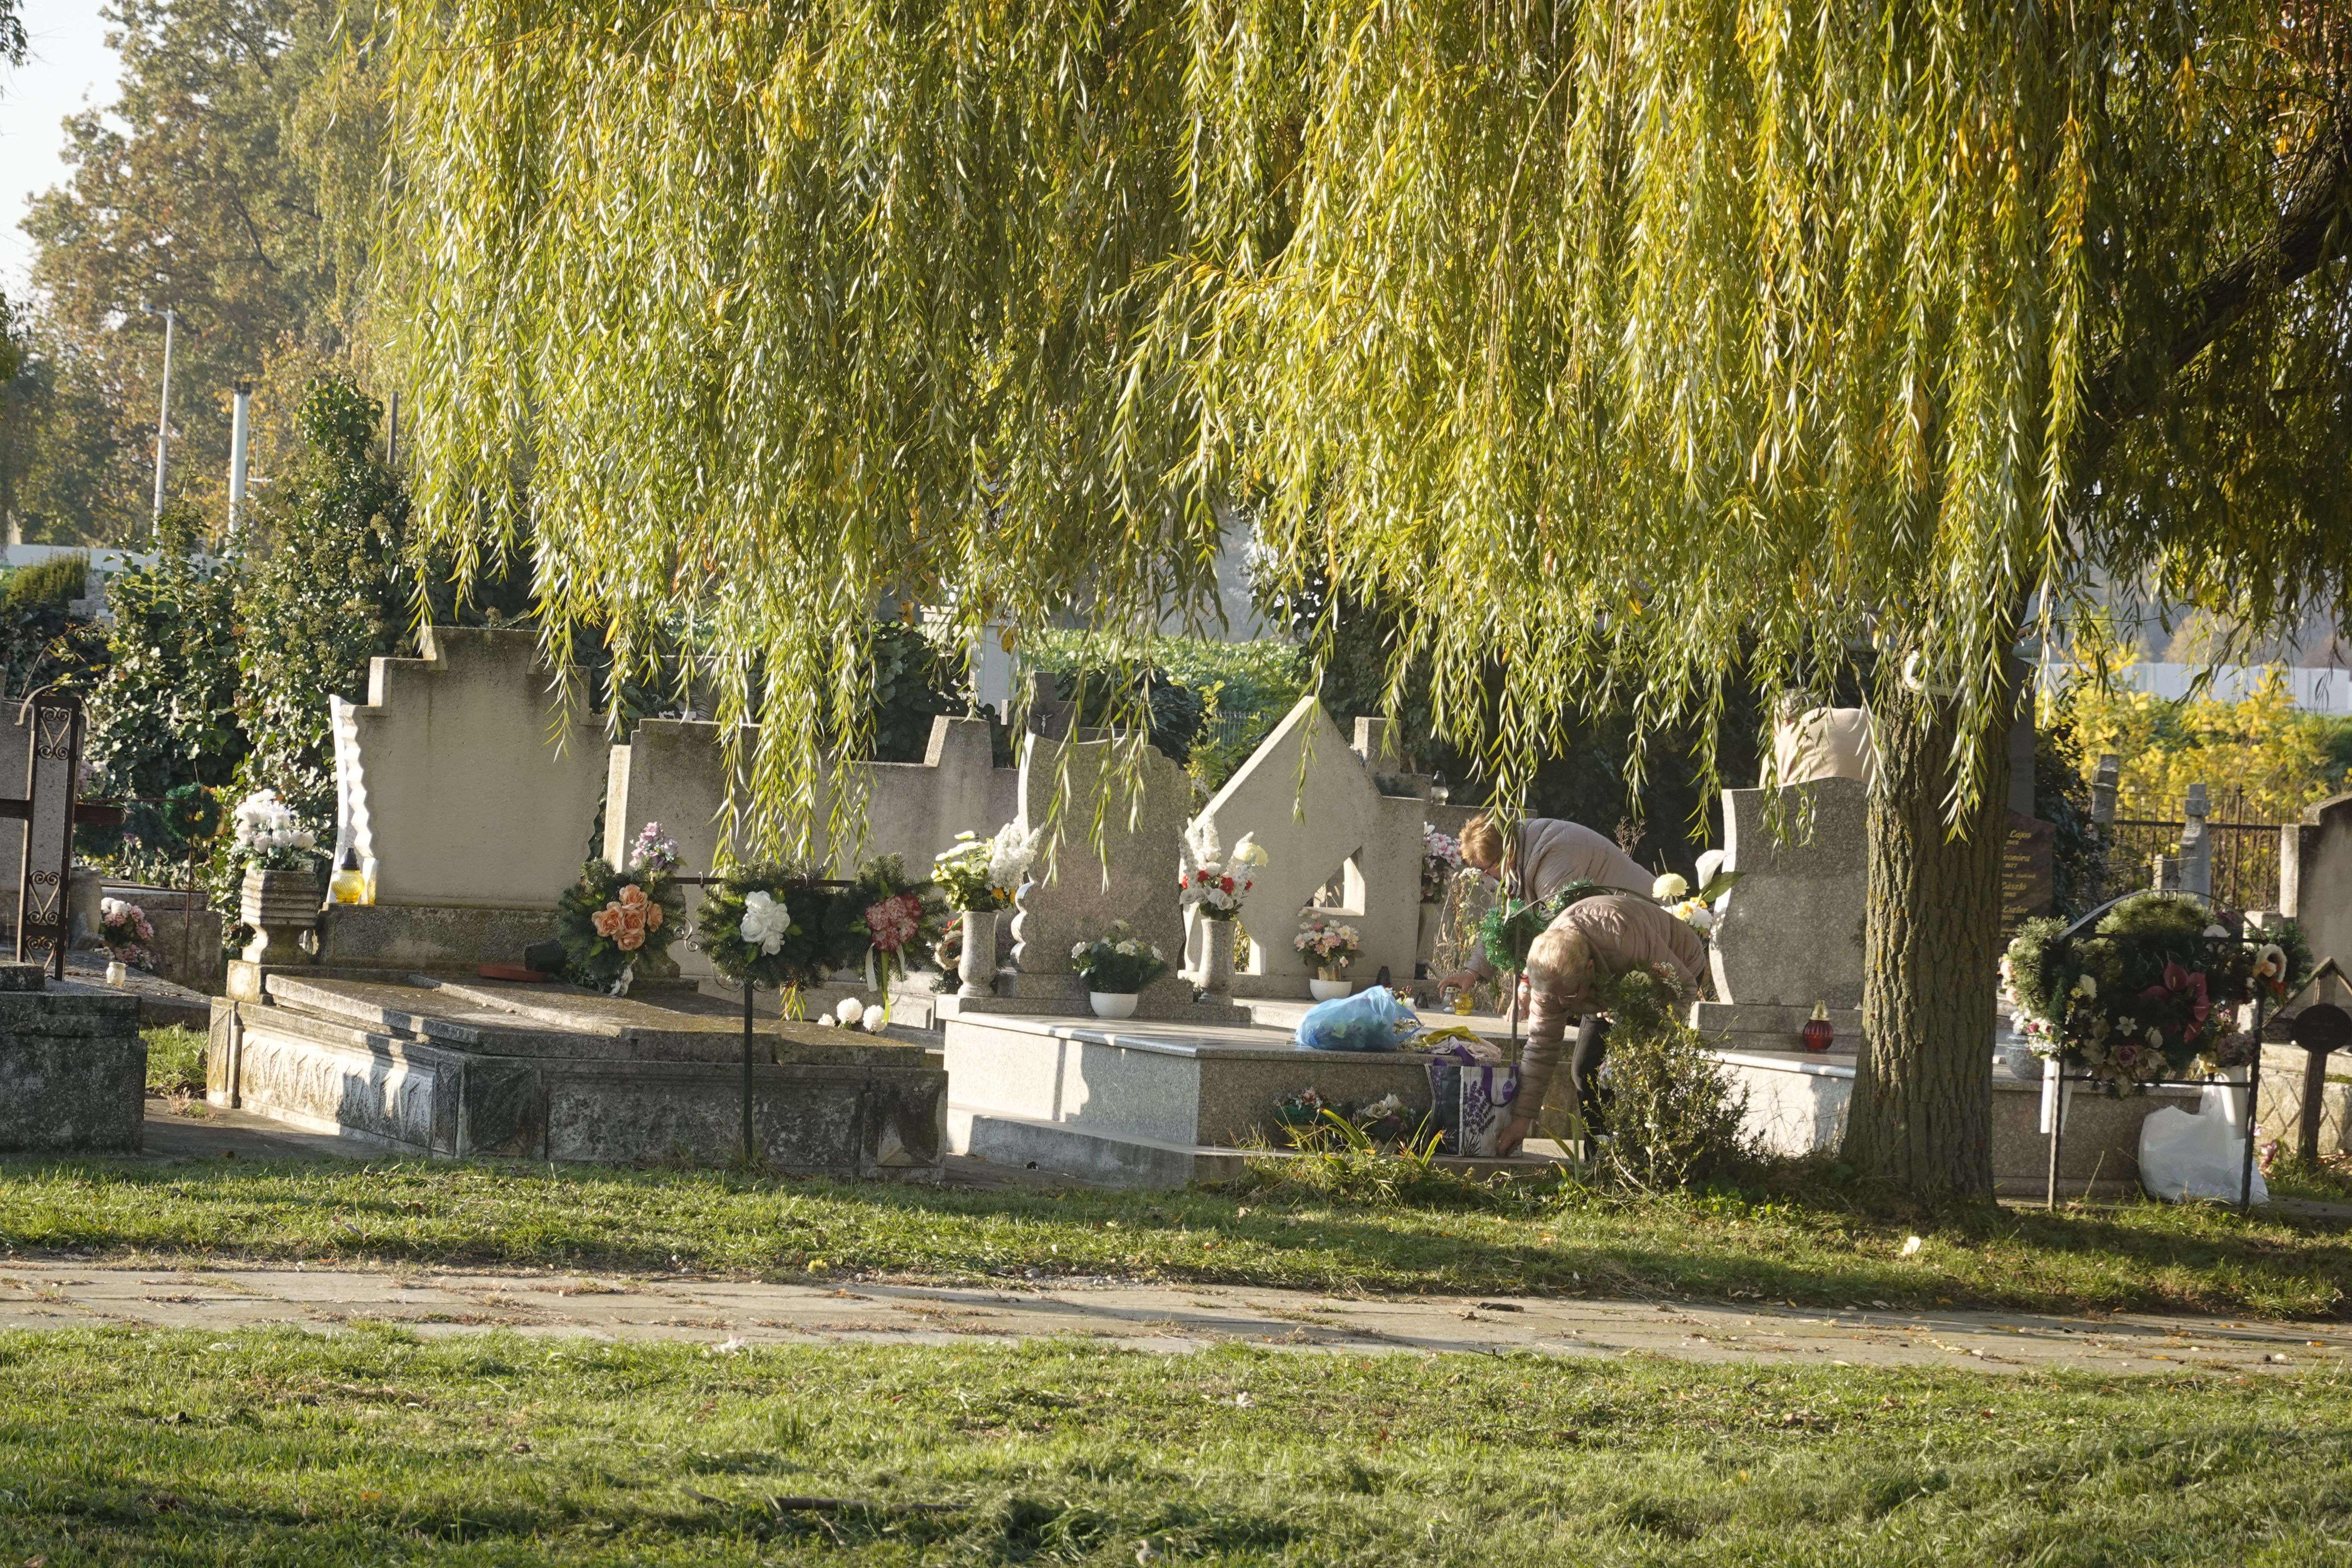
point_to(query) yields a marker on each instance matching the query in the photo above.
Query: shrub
(49, 585)
(1673, 1119)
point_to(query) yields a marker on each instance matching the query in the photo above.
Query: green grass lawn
(175, 1060)
(371, 1447)
(1570, 1240)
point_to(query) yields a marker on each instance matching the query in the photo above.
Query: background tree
(223, 199)
(1619, 349)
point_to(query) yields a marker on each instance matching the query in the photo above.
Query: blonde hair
(1485, 845)
(1560, 961)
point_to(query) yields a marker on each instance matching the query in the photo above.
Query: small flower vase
(976, 966)
(279, 906)
(115, 973)
(1112, 1004)
(1327, 984)
(1217, 959)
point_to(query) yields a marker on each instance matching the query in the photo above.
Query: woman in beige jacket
(1535, 859)
(1606, 933)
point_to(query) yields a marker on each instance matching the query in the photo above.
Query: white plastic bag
(2201, 1156)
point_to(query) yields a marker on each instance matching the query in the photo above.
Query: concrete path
(726, 1314)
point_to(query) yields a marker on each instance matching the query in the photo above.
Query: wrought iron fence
(2245, 854)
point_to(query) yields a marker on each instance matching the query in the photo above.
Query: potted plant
(1117, 966)
(1215, 883)
(978, 877)
(611, 920)
(279, 895)
(1328, 946)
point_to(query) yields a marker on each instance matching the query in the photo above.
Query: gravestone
(468, 785)
(472, 794)
(1317, 809)
(2028, 871)
(1790, 934)
(2315, 876)
(674, 772)
(1110, 854)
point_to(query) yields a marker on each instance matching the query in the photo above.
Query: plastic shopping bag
(2201, 1156)
(1371, 1020)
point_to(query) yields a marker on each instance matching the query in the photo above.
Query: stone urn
(279, 906)
(976, 964)
(1217, 958)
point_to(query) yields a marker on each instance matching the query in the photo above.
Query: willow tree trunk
(1921, 1116)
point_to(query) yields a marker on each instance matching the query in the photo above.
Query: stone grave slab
(1142, 1103)
(550, 1072)
(73, 1071)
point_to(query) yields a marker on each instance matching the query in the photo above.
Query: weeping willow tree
(1621, 349)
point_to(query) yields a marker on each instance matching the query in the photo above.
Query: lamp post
(236, 436)
(163, 415)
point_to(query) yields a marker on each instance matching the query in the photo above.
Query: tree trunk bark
(1921, 1116)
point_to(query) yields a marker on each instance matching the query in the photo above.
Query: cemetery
(422, 1008)
(1165, 784)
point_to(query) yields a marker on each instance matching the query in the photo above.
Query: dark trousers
(1584, 1069)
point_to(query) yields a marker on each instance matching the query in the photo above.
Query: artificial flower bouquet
(1214, 881)
(895, 917)
(611, 920)
(1440, 859)
(1325, 944)
(985, 873)
(123, 927)
(2149, 993)
(267, 836)
(1117, 962)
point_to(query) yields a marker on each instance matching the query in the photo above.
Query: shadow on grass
(1797, 1239)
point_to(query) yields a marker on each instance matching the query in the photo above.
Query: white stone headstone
(1316, 807)
(463, 781)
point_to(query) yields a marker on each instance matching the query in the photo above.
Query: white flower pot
(1113, 1004)
(1325, 990)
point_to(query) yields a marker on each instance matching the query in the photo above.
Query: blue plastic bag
(1372, 1020)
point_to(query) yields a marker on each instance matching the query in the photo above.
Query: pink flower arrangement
(893, 923)
(625, 920)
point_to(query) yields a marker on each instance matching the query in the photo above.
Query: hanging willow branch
(1621, 349)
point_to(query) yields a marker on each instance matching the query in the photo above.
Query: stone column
(2196, 845)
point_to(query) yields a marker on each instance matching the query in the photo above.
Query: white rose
(850, 1010)
(873, 1020)
(765, 922)
(824, 1020)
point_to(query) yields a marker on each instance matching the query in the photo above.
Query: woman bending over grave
(1607, 933)
(1535, 859)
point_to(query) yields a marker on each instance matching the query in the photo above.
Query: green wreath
(1507, 934)
(890, 916)
(605, 908)
(817, 940)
